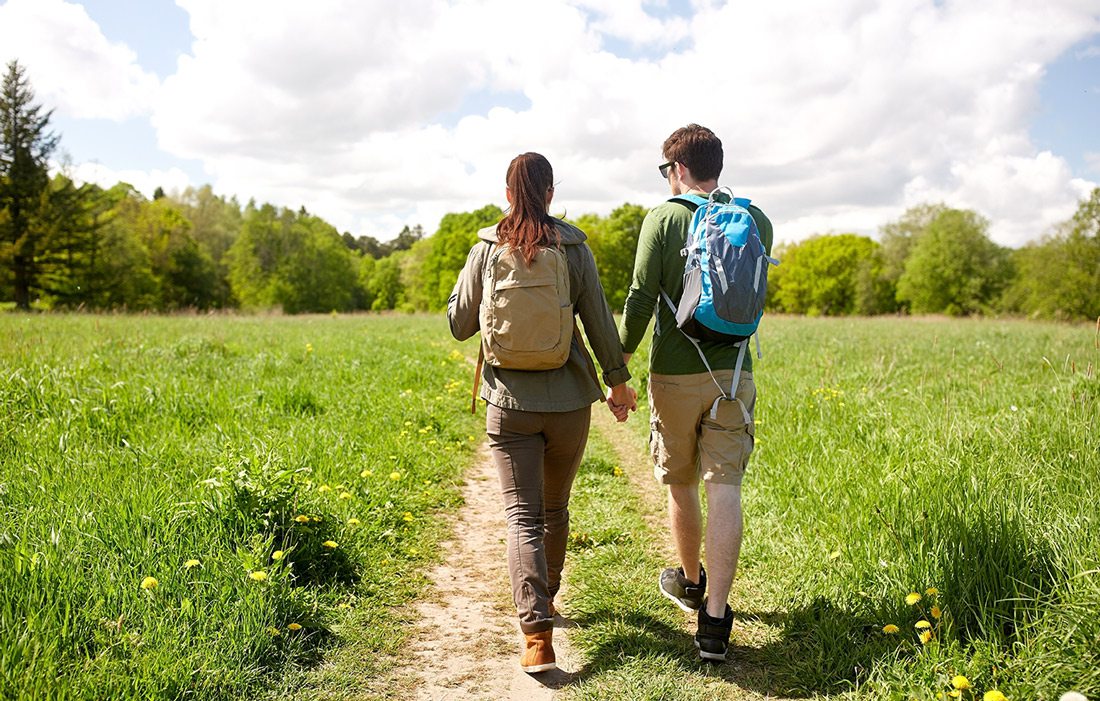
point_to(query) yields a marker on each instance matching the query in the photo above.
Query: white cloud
(630, 22)
(71, 64)
(145, 182)
(833, 117)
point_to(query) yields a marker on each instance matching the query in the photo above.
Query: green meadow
(952, 464)
(267, 473)
(201, 507)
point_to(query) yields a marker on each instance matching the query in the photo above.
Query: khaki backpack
(526, 315)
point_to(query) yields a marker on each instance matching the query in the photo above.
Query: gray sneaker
(682, 591)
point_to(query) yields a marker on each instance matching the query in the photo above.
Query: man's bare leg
(724, 527)
(686, 517)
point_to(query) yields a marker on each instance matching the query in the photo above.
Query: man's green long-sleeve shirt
(659, 265)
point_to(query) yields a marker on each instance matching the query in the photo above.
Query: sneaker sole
(710, 656)
(536, 668)
(683, 607)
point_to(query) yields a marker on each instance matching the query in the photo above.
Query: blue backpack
(725, 276)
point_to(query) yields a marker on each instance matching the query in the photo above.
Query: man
(686, 442)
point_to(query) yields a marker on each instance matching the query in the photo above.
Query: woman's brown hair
(528, 225)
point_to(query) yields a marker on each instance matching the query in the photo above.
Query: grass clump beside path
(920, 514)
(190, 507)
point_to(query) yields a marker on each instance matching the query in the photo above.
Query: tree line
(940, 260)
(66, 245)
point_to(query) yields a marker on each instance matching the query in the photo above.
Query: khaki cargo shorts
(686, 444)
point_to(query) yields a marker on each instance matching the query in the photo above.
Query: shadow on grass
(619, 636)
(821, 650)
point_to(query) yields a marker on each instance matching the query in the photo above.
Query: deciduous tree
(823, 275)
(446, 254)
(953, 267)
(896, 240)
(1059, 276)
(614, 241)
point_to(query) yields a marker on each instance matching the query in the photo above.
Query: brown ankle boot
(538, 653)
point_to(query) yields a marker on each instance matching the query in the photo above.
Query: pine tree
(25, 147)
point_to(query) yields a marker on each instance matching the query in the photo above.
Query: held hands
(621, 400)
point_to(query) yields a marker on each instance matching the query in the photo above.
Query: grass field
(179, 495)
(270, 473)
(957, 460)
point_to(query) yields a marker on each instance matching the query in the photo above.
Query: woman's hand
(621, 400)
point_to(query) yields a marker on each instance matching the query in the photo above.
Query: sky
(834, 117)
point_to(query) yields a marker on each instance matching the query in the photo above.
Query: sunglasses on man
(664, 167)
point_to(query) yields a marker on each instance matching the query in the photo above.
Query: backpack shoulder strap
(692, 202)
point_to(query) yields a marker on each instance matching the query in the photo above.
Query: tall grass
(268, 473)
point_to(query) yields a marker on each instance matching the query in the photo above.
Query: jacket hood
(570, 235)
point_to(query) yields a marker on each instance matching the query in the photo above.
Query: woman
(537, 421)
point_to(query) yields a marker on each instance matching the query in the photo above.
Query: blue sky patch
(1069, 106)
(158, 31)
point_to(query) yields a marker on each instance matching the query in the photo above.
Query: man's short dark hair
(698, 149)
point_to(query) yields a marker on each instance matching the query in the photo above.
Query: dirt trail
(467, 642)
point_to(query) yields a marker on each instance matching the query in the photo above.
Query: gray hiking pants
(536, 455)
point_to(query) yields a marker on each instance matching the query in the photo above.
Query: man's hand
(621, 400)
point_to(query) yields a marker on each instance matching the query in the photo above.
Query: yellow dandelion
(317, 519)
(936, 612)
(301, 518)
(149, 583)
(889, 629)
(409, 517)
(395, 475)
(922, 625)
(277, 555)
(273, 632)
(344, 605)
(345, 495)
(926, 636)
(960, 682)
(834, 554)
(294, 626)
(955, 693)
(912, 598)
(191, 563)
(618, 471)
(331, 544)
(324, 488)
(366, 473)
(931, 591)
(993, 695)
(309, 348)
(257, 576)
(354, 521)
